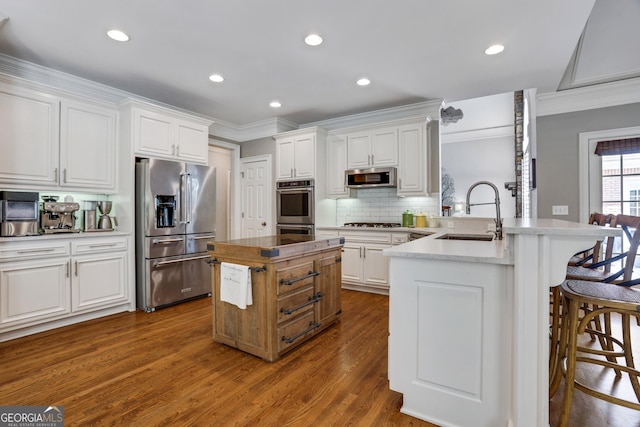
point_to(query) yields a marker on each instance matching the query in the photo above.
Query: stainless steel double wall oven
(295, 207)
(175, 218)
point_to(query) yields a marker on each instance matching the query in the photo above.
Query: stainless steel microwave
(372, 177)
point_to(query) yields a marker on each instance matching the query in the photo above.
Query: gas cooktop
(372, 224)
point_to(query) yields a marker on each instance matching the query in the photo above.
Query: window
(621, 184)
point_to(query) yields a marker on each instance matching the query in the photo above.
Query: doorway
(257, 196)
(225, 157)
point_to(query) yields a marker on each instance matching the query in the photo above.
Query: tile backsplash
(382, 205)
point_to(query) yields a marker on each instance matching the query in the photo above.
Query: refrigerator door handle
(183, 198)
(190, 198)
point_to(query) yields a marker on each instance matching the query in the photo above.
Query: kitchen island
(468, 321)
(295, 292)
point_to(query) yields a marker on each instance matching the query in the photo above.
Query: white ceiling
(412, 50)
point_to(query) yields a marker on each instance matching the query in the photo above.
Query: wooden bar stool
(602, 299)
(580, 260)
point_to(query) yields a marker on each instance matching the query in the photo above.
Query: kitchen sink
(476, 237)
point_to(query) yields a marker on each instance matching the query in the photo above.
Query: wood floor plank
(163, 368)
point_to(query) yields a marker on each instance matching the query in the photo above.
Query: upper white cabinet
(336, 165)
(412, 161)
(377, 147)
(163, 133)
(30, 135)
(50, 141)
(402, 143)
(87, 146)
(296, 154)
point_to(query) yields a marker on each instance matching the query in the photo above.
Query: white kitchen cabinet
(336, 165)
(296, 155)
(163, 133)
(33, 291)
(30, 135)
(98, 276)
(363, 265)
(87, 146)
(43, 283)
(412, 161)
(56, 142)
(371, 148)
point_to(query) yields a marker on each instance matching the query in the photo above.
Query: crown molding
(476, 134)
(430, 109)
(589, 97)
(251, 131)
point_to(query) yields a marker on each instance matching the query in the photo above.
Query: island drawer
(295, 277)
(290, 334)
(295, 303)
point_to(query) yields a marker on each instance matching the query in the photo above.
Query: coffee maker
(58, 217)
(106, 222)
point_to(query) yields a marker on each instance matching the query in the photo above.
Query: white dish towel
(235, 284)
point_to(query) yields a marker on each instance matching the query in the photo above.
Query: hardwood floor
(163, 368)
(587, 411)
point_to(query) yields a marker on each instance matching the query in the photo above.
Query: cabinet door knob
(264, 224)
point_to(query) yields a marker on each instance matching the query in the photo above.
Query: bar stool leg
(571, 321)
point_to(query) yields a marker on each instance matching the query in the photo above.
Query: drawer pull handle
(312, 325)
(35, 251)
(176, 261)
(202, 237)
(292, 281)
(165, 241)
(312, 300)
(102, 245)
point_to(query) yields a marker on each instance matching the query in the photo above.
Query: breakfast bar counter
(468, 322)
(273, 293)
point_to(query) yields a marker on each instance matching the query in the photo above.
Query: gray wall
(557, 148)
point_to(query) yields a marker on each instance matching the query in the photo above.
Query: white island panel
(437, 362)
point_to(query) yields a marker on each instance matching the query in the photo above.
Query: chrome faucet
(498, 220)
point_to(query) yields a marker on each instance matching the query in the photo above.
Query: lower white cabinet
(364, 267)
(98, 281)
(33, 291)
(52, 280)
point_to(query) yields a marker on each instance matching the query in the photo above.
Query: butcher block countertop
(273, 247)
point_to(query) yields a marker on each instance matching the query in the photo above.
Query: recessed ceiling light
(217, 78)
(495, 49)
(363, 82)
(118, 35)
(275, 104)
(313, 40)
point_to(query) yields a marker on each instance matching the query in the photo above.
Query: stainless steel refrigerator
(175, 218)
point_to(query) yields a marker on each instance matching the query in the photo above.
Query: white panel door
(304, 157)
(375, 266)
(358, 150)
(192, 143)
(87, 145)
(98, 281)
(30, 135)
(32, 291)
(257, 198)
(285, 158)
(384, 147)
